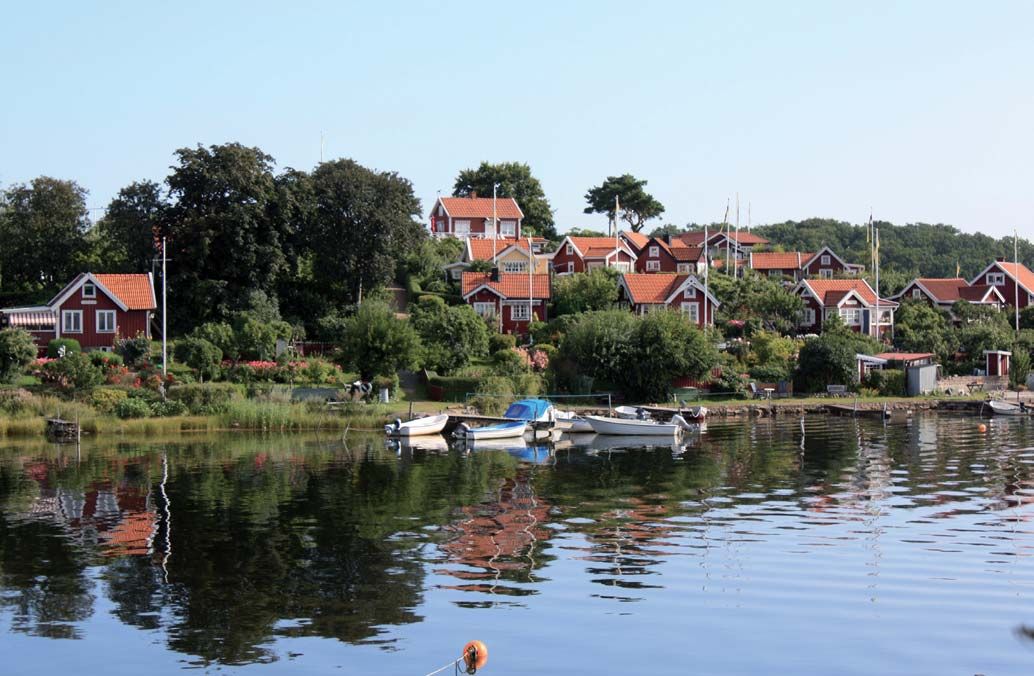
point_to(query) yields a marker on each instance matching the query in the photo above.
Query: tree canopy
(637, 206)
(514, 180)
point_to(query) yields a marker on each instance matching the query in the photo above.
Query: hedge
(206, 398)
(451, 388)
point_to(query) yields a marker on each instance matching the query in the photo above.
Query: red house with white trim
(93, 309)
(504, 298)
(942, 294)
(643, 293)
(464, 217)
(741, 243)
(658, 255)
(797, 266)
(1013, 280)
(634, 240)
(585, 254)
(853, 299)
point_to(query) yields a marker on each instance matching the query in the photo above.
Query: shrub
(135, 351)
(132, 408)
(495, 393)
(241, 373)
(72, 373)
(70, 345)
(317, 371)
(889, 383)
(501, 341)
(101, 358)
(729, 382)
(530, 384)
(1019, 369)
(168, 408)
(201, 355)
(770, 373)
(17, 351)
(106, 399)
(205, 398)
(509, 362)
(380, 382)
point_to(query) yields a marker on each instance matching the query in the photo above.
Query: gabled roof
(654, 289)
(904, 356)
(696, 237)
(827, 250)
(1017, 271)
(596, 247)
(981, 293)
(677, 249)
(510, 284)
(479, 207)
(773, 260)
(831, 292)
(636, 239)
(129, 291)
(948, 290)
(481, 249)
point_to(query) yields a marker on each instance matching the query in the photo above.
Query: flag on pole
(958, 268)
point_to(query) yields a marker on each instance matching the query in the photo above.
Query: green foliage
(1019, 369)
(17, 352)
(70, 344)
(72, 373)
(758, 300)
(665, 346)
(134, 351)
(920, 328)
(508, 363)
(168, 408)
(205, 398)
(423, 264)
(503, 390)
(596, 290)
(637, 205)
(730, 382)
(975, 335)
(451, 336)
(317, 371)
(888, 382)
(126, 234)
(771, 353)
(132, 408)
(828, 359)
(597, 346)
(1027, 317)
(514, 180)
(455, 388)
(106, 399)
(108, 359)
(501, 341)
(200, 355)
(375, 342)
(219, 334)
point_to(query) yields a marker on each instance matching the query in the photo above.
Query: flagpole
(531, 289)
(617, 207)
(495, 223)
(707, 262)
(876, 239)
(725, 228)
(737, 227)
(165, 339)
(1016, 276)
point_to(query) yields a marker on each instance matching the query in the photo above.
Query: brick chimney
(473, 194)
(495, 275)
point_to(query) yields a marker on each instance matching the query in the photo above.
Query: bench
(836, 390)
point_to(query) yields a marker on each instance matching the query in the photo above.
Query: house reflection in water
(499, 543)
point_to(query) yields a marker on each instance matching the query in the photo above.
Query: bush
(17, 352)
(729, 382)
(509, 362)
(135, 351)
(770, 373)
(493, 405)
(241, 373)
(72, 373)
(1019, 369)
(107, 399)
(454, 388)
(889, 383)
(206, 398)
(132, 408)
(199, 354)
(317, 371)
(390, 382)
(100, 358)
(501, 341)
(546, 348)
(168, 408)
(70, 344)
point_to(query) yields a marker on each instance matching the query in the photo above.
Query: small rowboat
(569, 421)
(417, 427)
(623, 426)
(505, 430)
(1008, 408)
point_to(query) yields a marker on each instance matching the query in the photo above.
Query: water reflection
(226, 546)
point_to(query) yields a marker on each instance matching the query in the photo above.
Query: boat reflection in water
(536, 454)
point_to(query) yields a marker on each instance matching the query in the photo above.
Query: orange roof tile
(596, 247)
(134, 291)
(481, 207)
(832, 291)
(482, 249)
(975, 293)
(1020, 272)
(651, 289)
(904, 356)
(772, 260)
(944, 290)
(636, 238)
(686, 253)
(510, 285)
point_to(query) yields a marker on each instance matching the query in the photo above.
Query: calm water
(839, 546)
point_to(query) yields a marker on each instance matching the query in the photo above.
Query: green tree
(1019, 369)
(637, 205)
(130, 232)
(43, 229)
(596, 290)
(200, 355)
(219, 334)
(828, 359)
(514, 180)
(376, 343)
(222, 238)
(584, 232)
(451, 335)
(17, 351)
(920, 328)
(597, 346)
(665, 346)
(666, 229)
(1027, 317)
(758, 300)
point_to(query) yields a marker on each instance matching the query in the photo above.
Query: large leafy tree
(451, 335)
(597, 290)
(665, 346)
(920, 328)
(43, 229)
(223, 241)
(756, 300)
(130, 232)
(514, 180)
(362, 222)
(637, 205)
(16, 353)
(376, 343)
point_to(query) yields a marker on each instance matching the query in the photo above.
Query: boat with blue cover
(533, 414)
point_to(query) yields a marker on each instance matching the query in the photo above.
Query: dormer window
(89, 290)
(825, 259)
(917, 293)
(570, 250)
(689, 292)
(996, 279)
(655, 251)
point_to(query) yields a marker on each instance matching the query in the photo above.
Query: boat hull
(509, 430)
(1005, 408)
(626, 427)
(418, 427)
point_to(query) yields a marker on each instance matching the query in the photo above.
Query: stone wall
(969, 383)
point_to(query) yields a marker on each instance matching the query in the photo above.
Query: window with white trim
(825, 260)
(655, 251)
(89, 290)
(105, 321)
(653, 266)
(825, 273)
(569, 250)
(461, 228)
(689, 292)
(917, 293)
(589, 267)
(621, 266)
(808, 316)
(485, 309)
(852, 316)
(691, 311)
(508, 228)
(520, 312)
(775, 273)
(682, 268)
(71, 321)
(996, 278)
(457, 273)
(515, 266)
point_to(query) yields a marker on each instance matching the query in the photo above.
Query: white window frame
(93, 290)
(653, 266)
(569, 250)
(808, 317)
(77, 324)
(508, 228)
(996, 279)
(461, 227)
(825, 273)
(917, 293)
(689, 292)
(655, 251)
(100, 324)
(620, 266)
(682, 268)
(691, 311)
(485, 308)
(775, 272)
(520, 312)
(515, 267)
(457, 273)
(852, 316)
(825, 260)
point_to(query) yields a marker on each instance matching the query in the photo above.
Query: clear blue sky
(922, 110)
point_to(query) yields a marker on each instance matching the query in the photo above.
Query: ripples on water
(832, 546)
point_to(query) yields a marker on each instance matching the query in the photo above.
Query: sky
(919, 111)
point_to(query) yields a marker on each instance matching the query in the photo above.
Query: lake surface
(778, 546)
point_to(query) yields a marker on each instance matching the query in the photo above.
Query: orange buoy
(983, 427)
(475, 654)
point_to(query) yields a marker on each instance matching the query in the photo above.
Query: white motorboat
(1009, 408)
(569, 421)
(418, 427)
(430, 442)
(624, 426)
(631, 413)
(505, 430)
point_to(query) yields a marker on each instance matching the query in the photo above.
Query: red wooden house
(643, 293)
(634, 240)
(585, 254)
(942, 294)
(797, 266)
(93, 309)
(504, 298)
(464, 217)
(1013, 280)
(741, 243)
(853, 299)
(658, 255)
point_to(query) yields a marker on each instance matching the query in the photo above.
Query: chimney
(473, 194)
(1000, 259)
(667, 239)
(495, 275)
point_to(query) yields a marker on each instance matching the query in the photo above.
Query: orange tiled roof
(481, 207)
(134, 291)
(651, 289)
(686, 253)
(772, 260)
(636, 238)
(944, 290)
(904, 356)
(832, 291)
(1019, 271)
(481, 249)
(595, 247)
(510, 285)
(975, 293)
